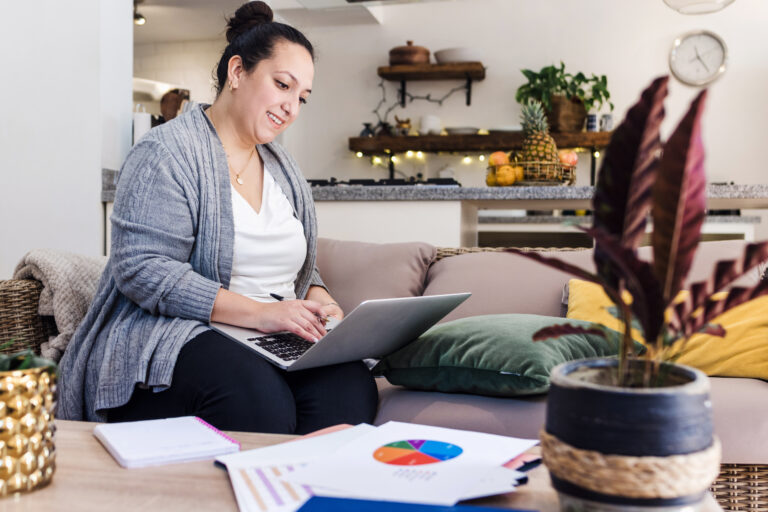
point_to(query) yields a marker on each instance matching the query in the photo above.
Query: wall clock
(698, 58)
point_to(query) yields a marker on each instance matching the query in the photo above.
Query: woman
(211, 218)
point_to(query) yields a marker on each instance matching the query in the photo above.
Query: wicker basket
(21, 326)
(541, 173)
(742, 487)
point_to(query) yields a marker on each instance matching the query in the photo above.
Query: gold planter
(27, 453)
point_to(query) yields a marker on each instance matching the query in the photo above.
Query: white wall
(189, 64)
(629, 41)
(64, 66)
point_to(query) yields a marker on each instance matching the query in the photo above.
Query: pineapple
(538, 145)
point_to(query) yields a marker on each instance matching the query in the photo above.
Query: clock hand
(698, 57)
(703, 64)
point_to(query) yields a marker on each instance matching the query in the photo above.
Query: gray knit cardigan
(172, 243)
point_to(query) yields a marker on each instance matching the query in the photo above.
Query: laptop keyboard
(285, 345)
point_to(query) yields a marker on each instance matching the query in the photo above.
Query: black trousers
(233, 388)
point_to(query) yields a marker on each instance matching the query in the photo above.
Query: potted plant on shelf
(638, 431)
(565, 96)
(27, 389)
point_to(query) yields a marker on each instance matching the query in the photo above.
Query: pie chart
(416, 452)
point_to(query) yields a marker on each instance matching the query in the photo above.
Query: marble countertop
(587, 219)
(449, 193)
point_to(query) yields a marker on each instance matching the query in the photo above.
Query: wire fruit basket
(533, 174)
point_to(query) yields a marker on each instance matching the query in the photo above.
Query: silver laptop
(373, 329)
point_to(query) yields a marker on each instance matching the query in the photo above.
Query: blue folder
(324, 504)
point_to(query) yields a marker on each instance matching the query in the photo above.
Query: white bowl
(456, 55)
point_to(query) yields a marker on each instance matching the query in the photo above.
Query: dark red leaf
(699, 293)
(639, 279)
(555, 331)
(713, 330)
(727, 271)
(736, 296)
(679, 202)
(623, 191)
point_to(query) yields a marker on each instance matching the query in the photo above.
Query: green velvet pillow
(490, 355)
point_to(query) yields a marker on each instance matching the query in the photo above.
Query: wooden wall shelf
(456, 70)
(382, 145)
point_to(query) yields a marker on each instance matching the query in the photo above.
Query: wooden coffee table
(88, 479)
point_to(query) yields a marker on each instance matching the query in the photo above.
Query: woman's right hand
(301, 317)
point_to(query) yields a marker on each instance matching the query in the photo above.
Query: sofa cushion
(490, 355)
(358, 271)
(502, 282)
(743, 352)
(518, 417)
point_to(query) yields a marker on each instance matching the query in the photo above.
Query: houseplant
(566, 97)
(639, 431)
(27, 388)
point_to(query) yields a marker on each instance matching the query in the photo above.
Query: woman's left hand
(332, 309)
(329, 307)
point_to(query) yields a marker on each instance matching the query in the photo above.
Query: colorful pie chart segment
(416, 452)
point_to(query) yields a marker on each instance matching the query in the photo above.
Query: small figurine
(383, 128)
(403, 126)
(367, 131)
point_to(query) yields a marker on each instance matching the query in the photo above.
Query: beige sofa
(500, 282)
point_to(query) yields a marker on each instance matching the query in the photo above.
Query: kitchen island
(449, 215)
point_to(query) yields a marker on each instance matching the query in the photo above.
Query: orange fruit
(505, 175)
(490, 179)
(519, 174)
(498, 158)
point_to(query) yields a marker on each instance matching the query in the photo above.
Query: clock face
(698, 58)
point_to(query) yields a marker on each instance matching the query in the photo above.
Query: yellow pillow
(743, 352)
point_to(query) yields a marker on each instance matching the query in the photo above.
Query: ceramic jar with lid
(408, 54)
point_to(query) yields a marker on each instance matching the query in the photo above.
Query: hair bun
(246, 17)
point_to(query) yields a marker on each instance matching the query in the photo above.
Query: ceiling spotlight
(138, 18)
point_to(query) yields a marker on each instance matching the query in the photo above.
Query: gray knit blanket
(69, 284)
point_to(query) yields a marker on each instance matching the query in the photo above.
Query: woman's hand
(329, 306)
(301, 317)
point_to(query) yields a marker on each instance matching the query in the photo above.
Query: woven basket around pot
(640, 447)
(566, 115)
(27, 453)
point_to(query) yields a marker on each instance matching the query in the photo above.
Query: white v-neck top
(270, 246)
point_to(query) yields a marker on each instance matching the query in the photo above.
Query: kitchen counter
(720, 196)
(448, 216)
(555, 197)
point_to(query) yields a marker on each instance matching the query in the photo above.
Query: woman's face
(268, 99)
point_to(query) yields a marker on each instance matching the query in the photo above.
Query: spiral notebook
(136, 444)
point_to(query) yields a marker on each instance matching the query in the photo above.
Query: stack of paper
(154, 442)
(396, 461)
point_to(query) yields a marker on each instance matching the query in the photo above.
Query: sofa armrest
(21, 326)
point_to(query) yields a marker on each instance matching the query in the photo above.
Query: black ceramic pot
(629, 427)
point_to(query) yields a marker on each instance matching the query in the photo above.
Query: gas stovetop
(333, 182)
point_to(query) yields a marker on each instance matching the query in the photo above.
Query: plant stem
(626, 341)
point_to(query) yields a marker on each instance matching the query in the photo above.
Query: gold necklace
(238, 179)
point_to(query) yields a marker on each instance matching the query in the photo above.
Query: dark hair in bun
(252, 35)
